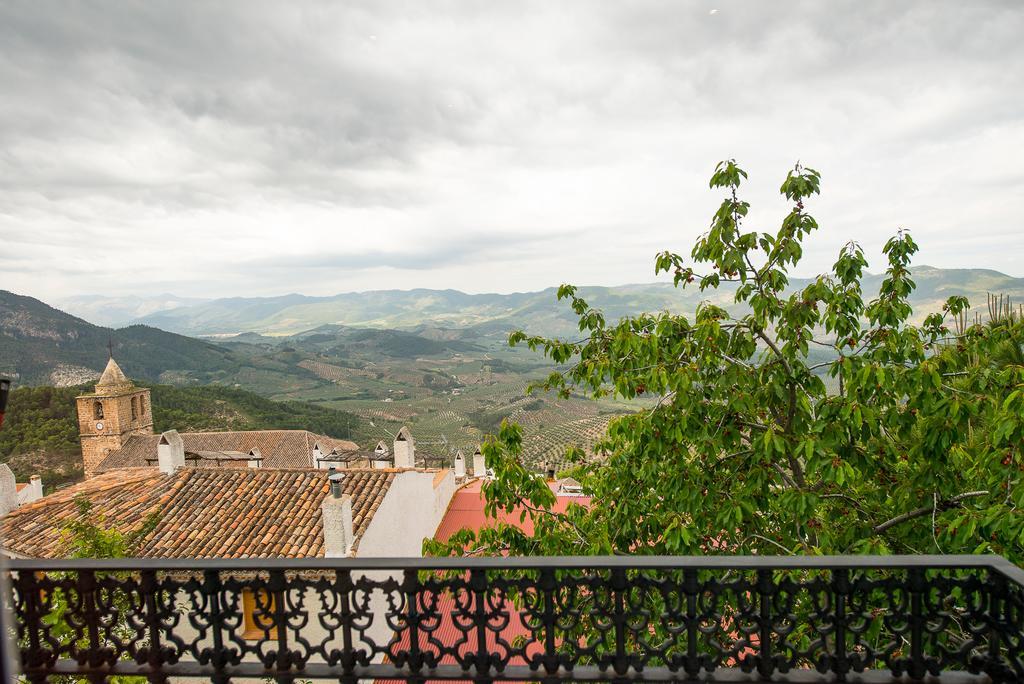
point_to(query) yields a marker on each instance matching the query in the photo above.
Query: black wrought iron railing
(858, 618)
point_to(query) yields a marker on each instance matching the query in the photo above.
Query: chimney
(479, 464)
(170, 452)
(405, 449)
(35, 483)
(336, 510)
(255, 458)
(381, 455)
(460, 465)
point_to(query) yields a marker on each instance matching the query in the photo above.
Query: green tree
(86, 536)
(803, 421)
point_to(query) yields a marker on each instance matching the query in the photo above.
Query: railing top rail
(993, 562)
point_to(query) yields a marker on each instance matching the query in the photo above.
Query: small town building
(233, 494)
(243, 512)
(467, 510)
(115, 424)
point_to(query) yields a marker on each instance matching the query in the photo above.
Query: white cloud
(262, 148)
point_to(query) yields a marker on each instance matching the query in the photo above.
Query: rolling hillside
(496, 314)
(117, 312)
(42, 345)
(435, 360)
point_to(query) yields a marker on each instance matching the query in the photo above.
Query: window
(135, 408)
(142, 404)
(258, 615)
(97, 410)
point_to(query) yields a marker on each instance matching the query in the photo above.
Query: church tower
(115, 411)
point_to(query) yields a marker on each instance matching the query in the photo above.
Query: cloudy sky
(255, 148)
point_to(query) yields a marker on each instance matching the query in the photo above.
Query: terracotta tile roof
(203, 513)
(279, 448)
(124, 497)
(358, 456)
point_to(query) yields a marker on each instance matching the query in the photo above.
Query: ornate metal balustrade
(958, 618)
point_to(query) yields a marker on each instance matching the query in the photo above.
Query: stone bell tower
(115, 411)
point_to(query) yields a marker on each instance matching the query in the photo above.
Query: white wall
(31, 493)
(412, 509)
(9, 490)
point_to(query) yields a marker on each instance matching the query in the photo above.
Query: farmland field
(450, 398)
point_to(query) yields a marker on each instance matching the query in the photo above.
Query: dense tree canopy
(816, 420)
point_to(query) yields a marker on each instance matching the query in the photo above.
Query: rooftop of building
(112, 381)
(201, 512)
(278, 448)
(466, 510)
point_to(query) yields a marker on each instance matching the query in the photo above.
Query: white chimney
(336, 510)
(170, 452)
(35, 483)
(255, 460)
(405, 449)
(381, 455)
(460, 465)
(479, 464)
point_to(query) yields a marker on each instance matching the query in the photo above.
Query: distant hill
(116, 312)
(372, 341)
(283, 338)
(43, 345)
(496, 314)
(40, 434)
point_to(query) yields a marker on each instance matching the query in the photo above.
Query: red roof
(500, 635)
(466, 509)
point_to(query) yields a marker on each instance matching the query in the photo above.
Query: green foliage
(40, 434)
(918, 449)
(40, 418)
(488, 421)
(213, 407)
(86, 537)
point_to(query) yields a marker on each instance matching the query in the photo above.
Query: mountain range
(42, 345)
(496, 313)
(268, 343)
(121, 311)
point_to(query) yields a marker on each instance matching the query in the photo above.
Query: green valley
(437, 361)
